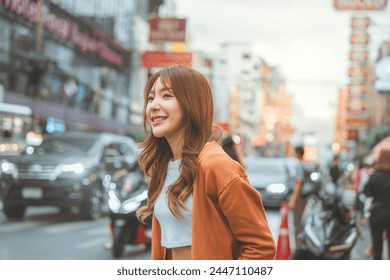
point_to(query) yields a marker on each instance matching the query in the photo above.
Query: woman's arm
(242, 206)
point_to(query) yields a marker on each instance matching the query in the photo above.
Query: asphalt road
(47, 234)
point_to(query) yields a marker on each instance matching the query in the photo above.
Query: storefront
(62, 59)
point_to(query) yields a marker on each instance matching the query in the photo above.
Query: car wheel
(92, 207)
(14, 211)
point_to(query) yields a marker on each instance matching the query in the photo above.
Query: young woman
(201, 203)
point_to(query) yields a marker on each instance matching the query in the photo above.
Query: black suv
(66, 170)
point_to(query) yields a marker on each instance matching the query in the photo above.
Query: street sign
(358, 72)
(360, 22)
(359, 38)
(357, 89)
(360, 5)
(357, 121)
(360, 56)
(165, 59)
(356, 105)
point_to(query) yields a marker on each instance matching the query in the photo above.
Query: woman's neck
(176, 148)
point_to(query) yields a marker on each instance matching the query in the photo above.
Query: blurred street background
(310, 73)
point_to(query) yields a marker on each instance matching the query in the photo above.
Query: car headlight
(9, 168)
(276, 188)
(71, 170)
(315, 176)
(77, 168)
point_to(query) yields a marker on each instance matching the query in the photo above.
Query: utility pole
(38, 50)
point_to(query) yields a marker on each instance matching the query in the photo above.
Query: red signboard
(358, 72)
(359, 38)
(167, 29)
(360, 56)
(357, 89)
(360, 5)
(360, 22)
(164, 59)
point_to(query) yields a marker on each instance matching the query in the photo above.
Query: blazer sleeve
(241, 204)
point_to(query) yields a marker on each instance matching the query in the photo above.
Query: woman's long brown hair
(194, 96)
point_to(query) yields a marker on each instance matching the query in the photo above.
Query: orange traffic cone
(283, 250)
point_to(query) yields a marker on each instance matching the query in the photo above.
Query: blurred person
(335, 171)
(297, 200)
(80, 95)
(70, 90)
(377, 203)
(200, 200)
(363, 173)
(229, 147)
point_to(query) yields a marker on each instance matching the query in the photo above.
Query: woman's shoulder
(214, 159)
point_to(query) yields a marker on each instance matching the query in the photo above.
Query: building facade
(75, 61)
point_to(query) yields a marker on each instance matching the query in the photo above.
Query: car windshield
(265, 166)
(65, 145)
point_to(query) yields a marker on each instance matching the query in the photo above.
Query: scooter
(125, 195)
(329, 231)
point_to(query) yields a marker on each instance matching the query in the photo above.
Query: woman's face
(163, 112)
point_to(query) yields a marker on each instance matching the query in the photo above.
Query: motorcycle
(329, 230)
(126, 193)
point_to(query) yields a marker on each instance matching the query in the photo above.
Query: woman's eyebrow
(161, 90)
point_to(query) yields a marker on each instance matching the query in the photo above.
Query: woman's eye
(150, 98)
(167, 95)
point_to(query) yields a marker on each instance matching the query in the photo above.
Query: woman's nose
(154, 104)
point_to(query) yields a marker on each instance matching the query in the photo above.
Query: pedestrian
(362, 174)
(229, 147)
(200, 200)
(377, 192)
(335, 171)
(297, 200)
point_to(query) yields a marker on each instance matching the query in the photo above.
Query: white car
(271, 177)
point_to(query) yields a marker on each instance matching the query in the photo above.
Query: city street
(49, 235)
(108, 106)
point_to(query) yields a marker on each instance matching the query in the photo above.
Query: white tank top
(175, 232)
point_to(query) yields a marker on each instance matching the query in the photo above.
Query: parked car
(270, 176)
(67, 171)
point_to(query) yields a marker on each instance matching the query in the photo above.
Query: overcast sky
(307, 39)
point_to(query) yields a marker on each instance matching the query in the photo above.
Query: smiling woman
(193, 202)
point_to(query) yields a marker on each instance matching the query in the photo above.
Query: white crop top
(175, 232)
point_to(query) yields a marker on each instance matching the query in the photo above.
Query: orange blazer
(228, 218)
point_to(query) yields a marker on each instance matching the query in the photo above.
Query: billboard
(358, 71)
(359, 56)
(167, 30)
(359, 38)
(360, 22)
(360, 5)
(165, 59)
